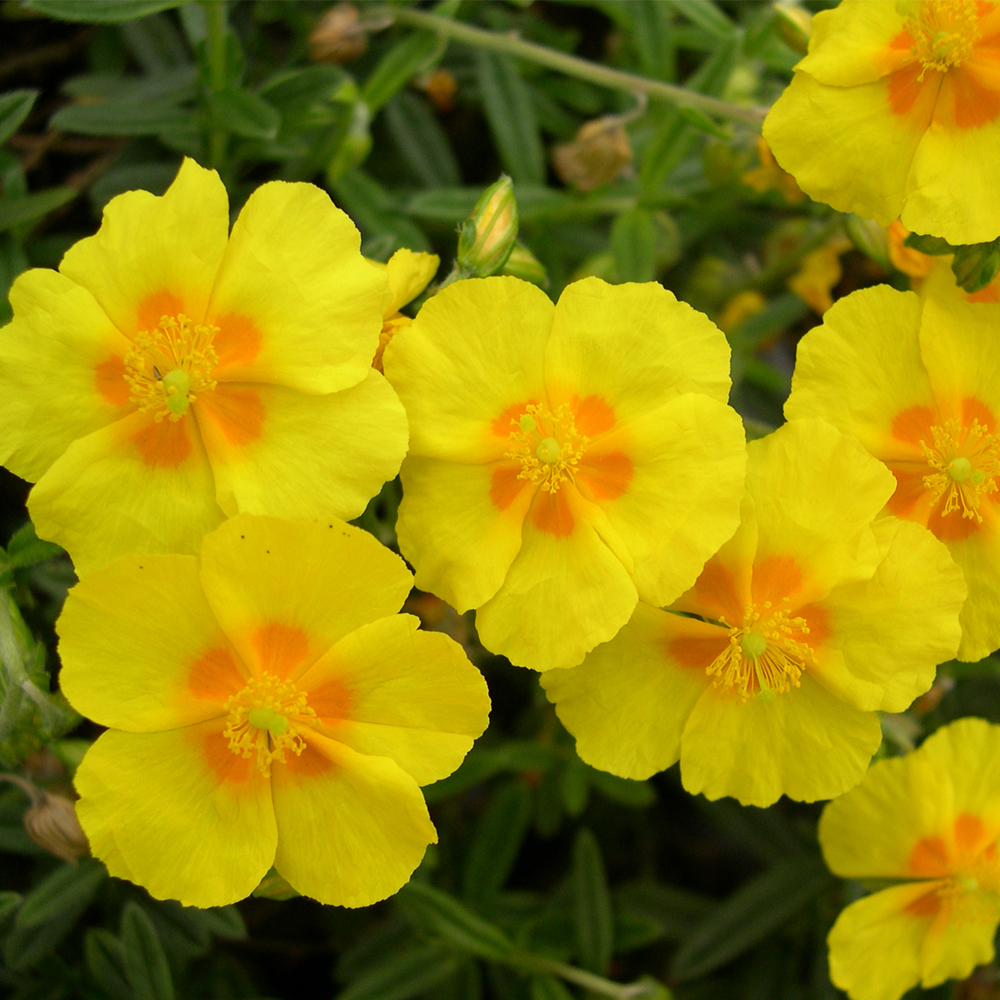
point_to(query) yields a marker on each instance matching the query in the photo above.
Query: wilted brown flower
(51, 821)
(338, 36)
(600, 152)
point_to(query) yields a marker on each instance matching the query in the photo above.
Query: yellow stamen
(943, 33)
(763, 659)
(266, 719)
(169, 365)
(547, 445)
(967, 464)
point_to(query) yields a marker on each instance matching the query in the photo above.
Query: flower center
(943, 33)
(763, 659)
(967, 464)
(266, 719)
(547, 445)
(169, 365)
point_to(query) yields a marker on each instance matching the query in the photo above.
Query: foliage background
(542, 860)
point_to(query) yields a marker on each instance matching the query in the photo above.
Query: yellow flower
(267, 707)
(565, 459)
(171, 374)
(818, 273)
(917, 382)
(895, 112)
(932, 820)
(770, 177)
(812, 617)
(913, 263)
(408, 273)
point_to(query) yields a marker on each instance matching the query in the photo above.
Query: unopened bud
(51, 823)
(338, 37)
(488, 235)
(869, 237)
(599, 154)
(522, 263)
(794, 24)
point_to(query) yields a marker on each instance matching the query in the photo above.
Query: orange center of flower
(547, 445)
(266, 719)
(763, 658)
(943, 33)
(169, 365)
(967, 464)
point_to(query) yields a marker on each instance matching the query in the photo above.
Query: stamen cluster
(944, 34)
(968, 464)
(547, 445)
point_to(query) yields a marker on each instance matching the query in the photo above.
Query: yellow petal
(978, 555)
(351, 828)
(953, 948)
(875, 944)
(396, 692)
(295, 301)
(871, 831)
(61, 371)
(134, 486)
(844, 145)
(805, 744)
(862, 368)
(281, 452)
(891, 631)
(473, 352)
(409, 274)
(460, 526)
(307, 585)
(687, 461)
(850, 45)
(141, 649)
(563, 594)
(633, 346)
(628, 701)
(155, 255)
(177, 813)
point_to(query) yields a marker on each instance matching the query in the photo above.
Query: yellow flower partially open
(895, 112)
(171, 374)
(930, 819)
(917, 382)
(267, 707)
(409, 273)
(813, 616)
(564, 459)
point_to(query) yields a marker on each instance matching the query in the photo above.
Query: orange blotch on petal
(154, 307)
(228, 767)
(216, 675)
(975, 409)
(505, 486)
(774, 578)
(909, 490)
(930, 857)
(964, 102)
(716, 592)
(331, 701)
(926, 905)
(951, 527)
(593, 415)
(914, 98)
(238, 413)
(501, 426)
(280, 648)
(606, 476)
(550, 512)
(238, 341)
(311, 763)
(818, 623)
(913, 424)
(109, 378)
(698, 653)
(970, 833)
(164, 445)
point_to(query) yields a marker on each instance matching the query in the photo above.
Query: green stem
(215, 11)
(595, 983)
(511, 45)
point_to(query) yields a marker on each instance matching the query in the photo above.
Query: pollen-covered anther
(547, 445)
(266, 719)
(763, 658)
(169, 365)
(966, 461)
(943, 33)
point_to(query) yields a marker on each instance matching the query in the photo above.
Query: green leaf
(14, 108)
(705, 15)
(404, 975)
(675, 910)
(496, 842)
(750, 915)
(546, 987)
(244, 113)
(935, 246)
(624, 791)
(174, 85)
(440, 913)
(654, 38)
(975, 266)
(17, 211)
(25, 548)
(100, 11)
(421, 140)
(633, 243)
(398, 66)
(374, 212)
(592, 915)
(9, 902)
(224, 922)
(69, 886)
(25, 947)
(511, 116)
(703, 123)
(574, 781)
(145, 961)
(121, 118)
(105, 956)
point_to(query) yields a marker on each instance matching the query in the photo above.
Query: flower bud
(794, 24)
(869, 237)
(51, 823)
(522, 263)
(337, 37)
(488, 235)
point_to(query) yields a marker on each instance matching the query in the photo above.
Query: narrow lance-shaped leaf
(14, 108)
(592, 914)
(145, 961)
